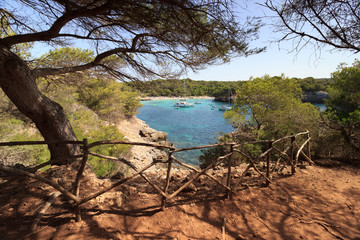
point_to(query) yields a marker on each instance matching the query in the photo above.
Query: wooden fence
(286, 150)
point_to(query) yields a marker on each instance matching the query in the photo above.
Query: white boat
(197, 102)
(225, 108)
(183, 104)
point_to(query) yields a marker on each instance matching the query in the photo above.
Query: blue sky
(277, 59)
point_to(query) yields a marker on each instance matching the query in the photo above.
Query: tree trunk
(18, 83)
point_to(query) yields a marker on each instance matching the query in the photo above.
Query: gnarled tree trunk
(18, 83)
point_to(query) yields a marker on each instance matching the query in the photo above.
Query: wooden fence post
(228, 180)
(268, 165)
(292, 156)
(168, 175)
(76, 187)
(308, 146)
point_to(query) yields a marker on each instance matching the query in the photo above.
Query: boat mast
(229, 95)
(184, 88)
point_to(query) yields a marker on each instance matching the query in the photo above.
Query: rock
(20, 167)
(250, 173)
(106, 183)
(190, 188)
(129, 190)
(137, 130)
(153, 135)
(202, 179)
(315, 97)
(118, 175)
(112, 198)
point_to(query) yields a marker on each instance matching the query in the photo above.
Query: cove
(186, 127)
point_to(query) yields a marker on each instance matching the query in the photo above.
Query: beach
(169, 98)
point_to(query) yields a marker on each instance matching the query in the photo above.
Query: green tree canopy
(150, 38)
(343, 107)
(109, 99)
(271, 107)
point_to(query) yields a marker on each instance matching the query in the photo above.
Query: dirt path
(315, 203)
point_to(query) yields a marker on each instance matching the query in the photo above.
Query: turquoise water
(186, 127)
(321, 106)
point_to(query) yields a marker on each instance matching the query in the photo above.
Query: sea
(188, 127)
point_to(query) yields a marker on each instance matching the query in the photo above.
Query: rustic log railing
(274, 149)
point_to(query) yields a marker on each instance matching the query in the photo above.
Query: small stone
(119, 202)
(190, 188)
(107, 184)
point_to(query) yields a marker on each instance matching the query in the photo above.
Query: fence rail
(270, 158)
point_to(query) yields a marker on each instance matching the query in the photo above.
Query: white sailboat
(182, 103)
(227, 107)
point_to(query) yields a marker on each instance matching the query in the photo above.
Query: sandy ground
(319, 202)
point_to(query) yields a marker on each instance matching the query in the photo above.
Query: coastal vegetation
(271, 107)
(266, 108)
(153, 39)
(217, 89)
(72, 94)
(92, 106)
(175, 87)
(343, 108)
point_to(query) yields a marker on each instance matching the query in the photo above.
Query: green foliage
(266, 108)
(65, 56)
(13, 129)
(85, 122)
(217, 89)
(343, 107)
(210, 155)
(271, 107)
(311, 84)
(87, 125)
(344, 104)
(174, 87)
(110, 99)
(104, 167)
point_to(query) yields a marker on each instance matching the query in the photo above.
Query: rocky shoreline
(136, 130)
(315, 97)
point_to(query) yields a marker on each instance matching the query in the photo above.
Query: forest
(93, 106)
(217, 89)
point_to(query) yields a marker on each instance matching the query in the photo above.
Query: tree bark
(19, 84)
